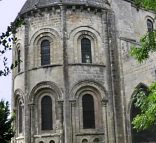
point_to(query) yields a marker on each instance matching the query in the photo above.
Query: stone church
(76, 80)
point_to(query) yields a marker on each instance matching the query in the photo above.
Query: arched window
(20, 118)
(147, 135)
(45, 52)
(149, 25)
(52, 141)
(19, 60)
(84, 141)
(86, 50)
(46, 113)
(88, 112)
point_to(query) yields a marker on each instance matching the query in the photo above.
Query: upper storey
(33, 4)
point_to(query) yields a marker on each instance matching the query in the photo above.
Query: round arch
(75, 37)
(45, 85)
(89, 85)
(18, 96)
(35, 43)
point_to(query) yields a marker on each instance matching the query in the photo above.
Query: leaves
(147, 4)
(147, 45)
(6, 130)
(6, 41)
(146, 102)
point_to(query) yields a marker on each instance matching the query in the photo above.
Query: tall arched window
(84, 141)
(86, 50)
(19, 60)
(45, 52)
(149, 25)
(52, 141)
(20, 118)
(147, 135)
(46, 113)
(88, 112)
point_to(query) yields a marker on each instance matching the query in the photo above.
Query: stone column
(105, 119)
(60, 119)
(32, 122)
(73, 115)
(67, 123)
(106, 46)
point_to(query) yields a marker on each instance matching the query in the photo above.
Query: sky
(9, 9)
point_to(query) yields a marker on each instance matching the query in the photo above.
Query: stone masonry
(112, 27)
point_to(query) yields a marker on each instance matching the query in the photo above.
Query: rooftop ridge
(32, 4)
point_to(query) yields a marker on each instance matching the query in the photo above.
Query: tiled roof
(32, 4)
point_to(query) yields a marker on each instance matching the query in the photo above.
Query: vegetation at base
(6, 130)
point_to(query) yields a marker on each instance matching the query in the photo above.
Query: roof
(33, 4)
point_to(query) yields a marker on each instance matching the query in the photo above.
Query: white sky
(8, 12)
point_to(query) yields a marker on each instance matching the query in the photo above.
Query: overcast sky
(8, 12)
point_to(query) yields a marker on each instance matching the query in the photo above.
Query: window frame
(151, 23)
(19, 60)
(85, 110)
(20, 114)
(86, 50)
(50, 128)
(43, 54)
(97, 109)
(50, 93)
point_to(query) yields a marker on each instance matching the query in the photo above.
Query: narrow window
(88, 112)
(19, 60)
(86, 50)
(20, 118)
(46, 113)
(149, 25)
(84, 141)
(45, 52)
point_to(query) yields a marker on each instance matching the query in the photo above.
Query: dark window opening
(19, 60)
(52, 141)
(20, 120)
(45, 52)
(149, 25)
(84, 141)
(46, 113)
(86, 50)
(88, 112)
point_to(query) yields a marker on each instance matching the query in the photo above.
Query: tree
(6, 130)
(145, 101)
(6, 41)
(148, 41)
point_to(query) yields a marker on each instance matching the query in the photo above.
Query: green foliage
(146, 102)
(6, 130)
(147, 45)
(6, 41)
(148, 41)
(147, 4)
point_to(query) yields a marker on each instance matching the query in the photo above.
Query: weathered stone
(111, 77)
